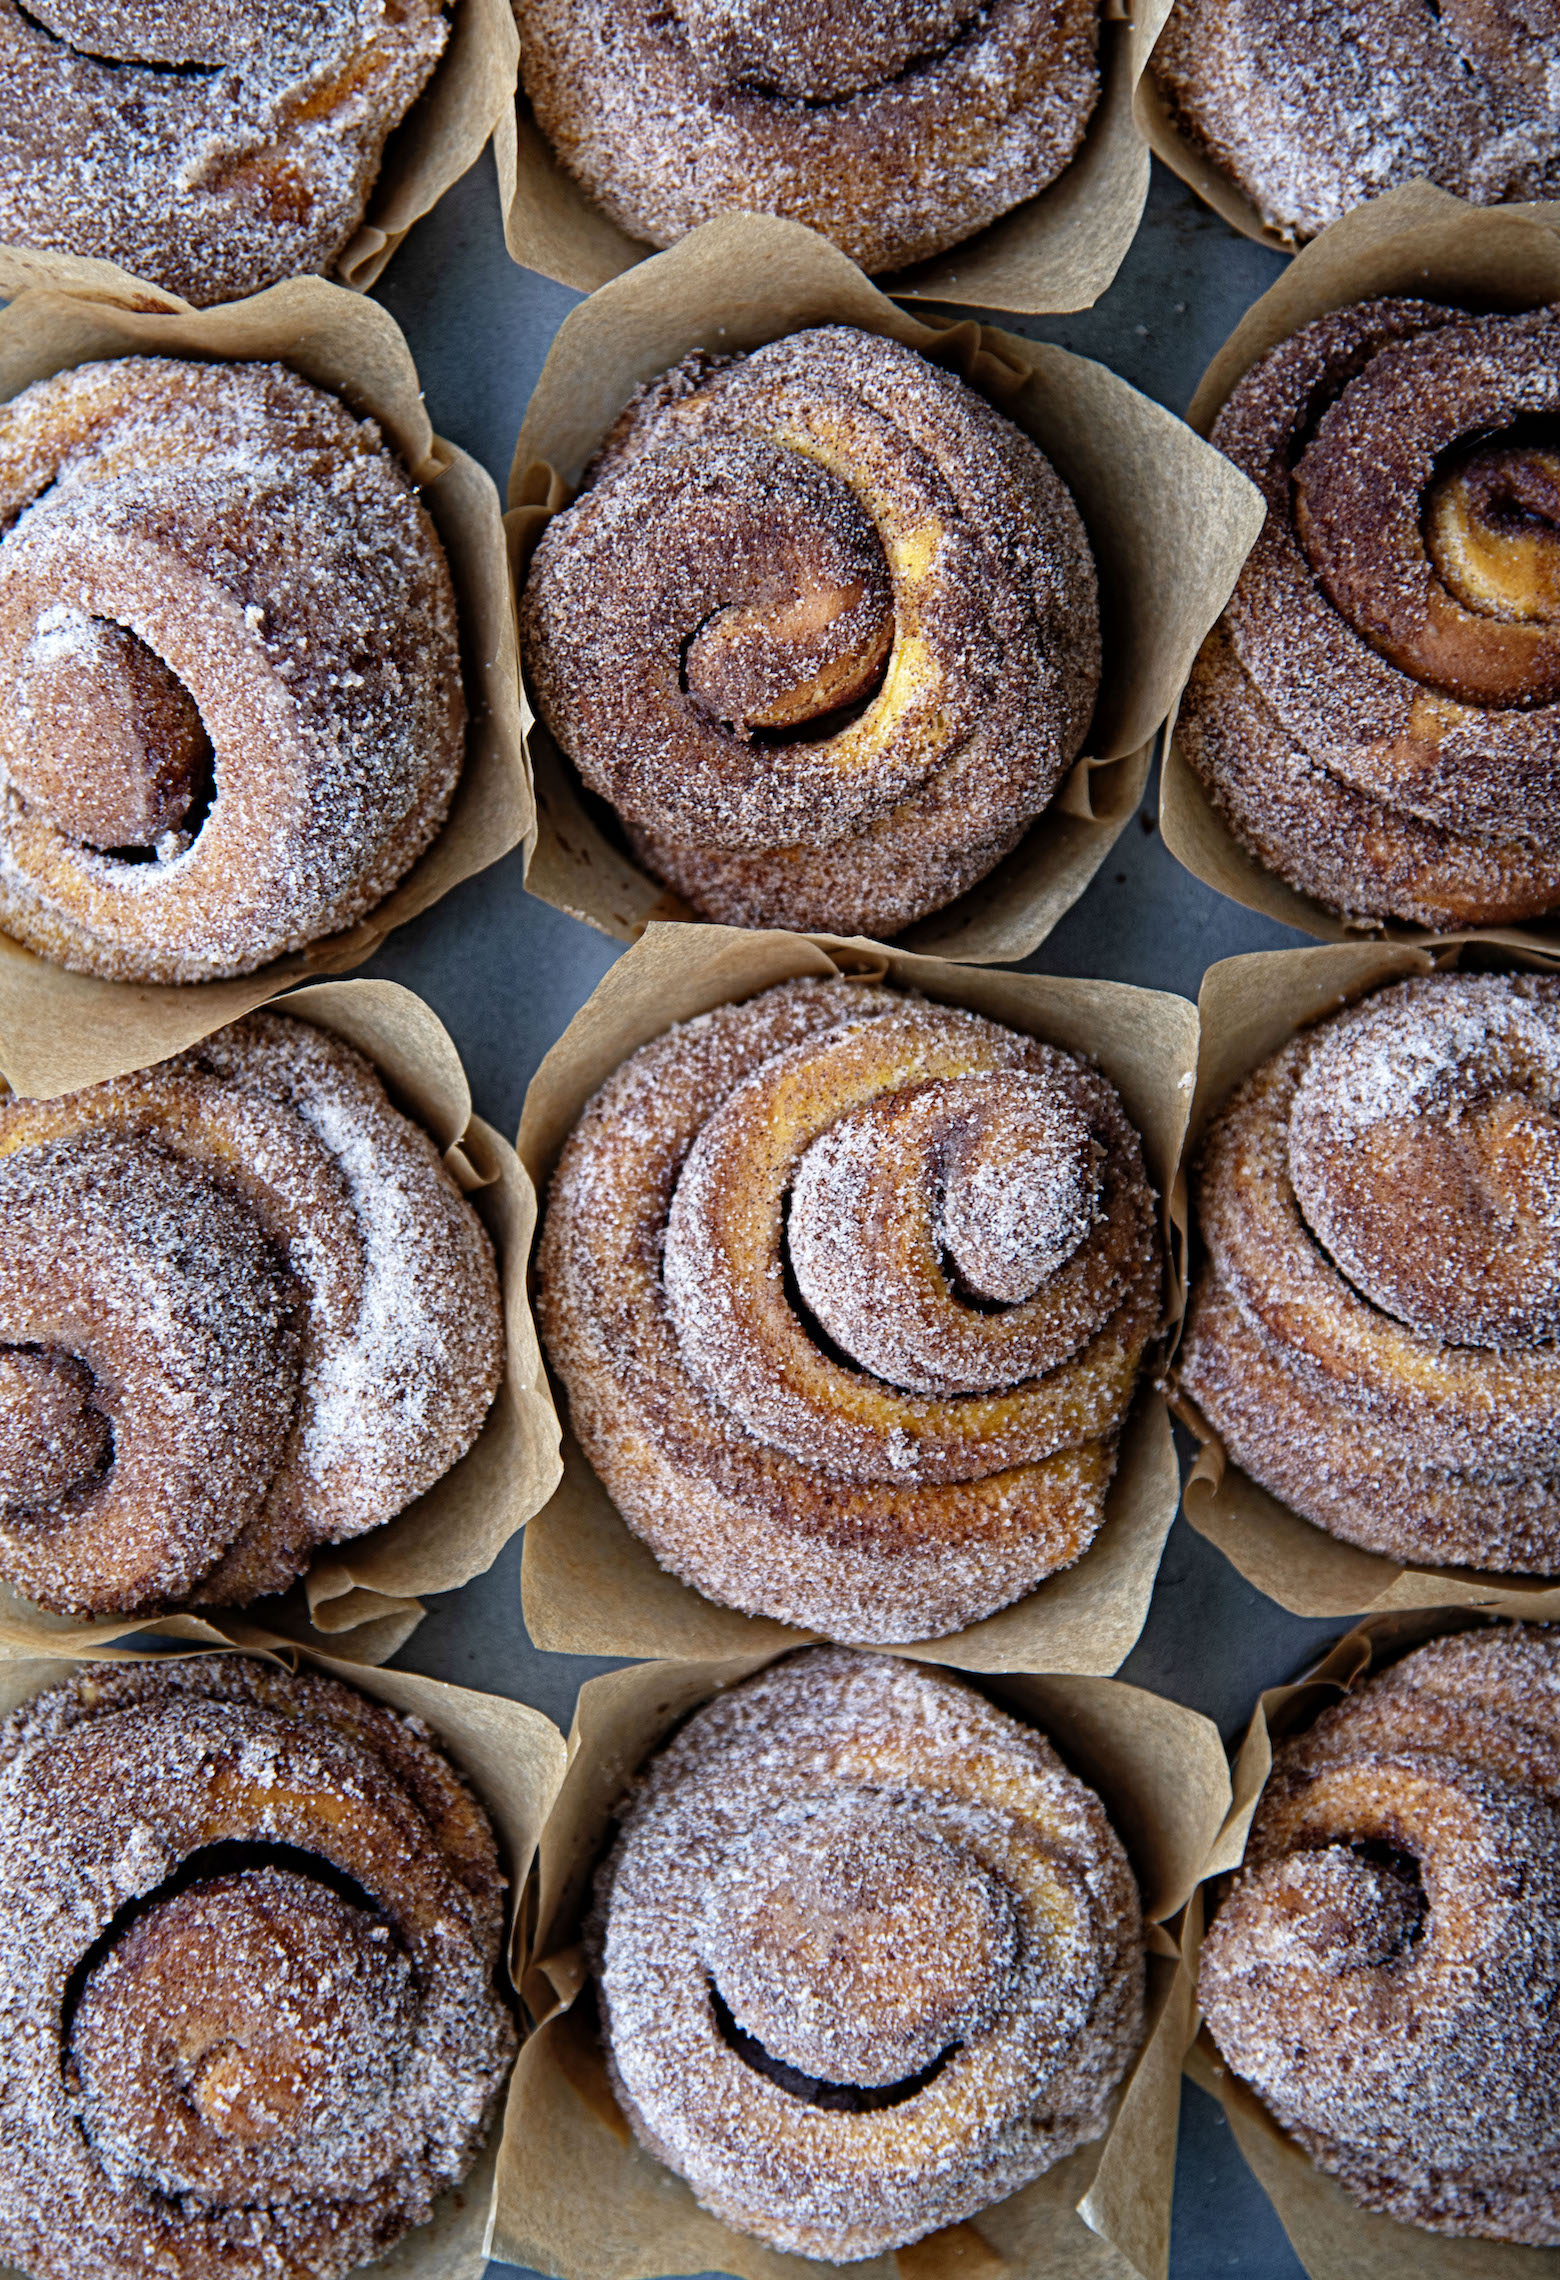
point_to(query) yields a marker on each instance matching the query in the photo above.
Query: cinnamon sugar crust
(822, 627)
(1385, 1969)
(211, 149)
(221, 595)
(869, 1957)
(1373, 1335)
(1311, 107)
(244, 1312)
(1377, 714)
(761, 1277)
(896, 132)
(252, 1925)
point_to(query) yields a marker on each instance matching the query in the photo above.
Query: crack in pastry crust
(1385, 1970)
(884, 1883)
(211, 149)
(1373, 1332)
(252, 1931)
(762, 1460)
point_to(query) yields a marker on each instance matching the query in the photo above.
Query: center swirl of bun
(816, 51)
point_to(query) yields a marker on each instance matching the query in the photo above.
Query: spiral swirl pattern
(212, 147)
(250, 1932)
(1374, 1331)
(244, 1311)
(823, 629)
(1385, 1971)
(869, 1958)
(1313, 110)
(849, 1293)
(1377, 714)
(895, 132)
(231, 714)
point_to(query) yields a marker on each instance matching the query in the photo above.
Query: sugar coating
(1311, 107)
(1373, 1333)
(267, 1286)
(270, 551)
(211, 150)
(895, 132)
(772, 496)
(774, 1470)
(1385, 1970)
(758, 1865)
(273, 2067)
(1370, 727)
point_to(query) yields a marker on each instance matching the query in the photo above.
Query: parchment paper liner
(590, 1586)
(1249, 1007)
(440, 137)
(60, 1030)
(577, 2196)
(1417, 241)
(1170, 521)
(371, 1584)
(1333, 2237)
(1056, 252)
(514, 1759)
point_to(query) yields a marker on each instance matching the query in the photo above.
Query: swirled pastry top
(1374, 1331)
(250, 1931)
(823, 627)
(244, 1311)
(1377, 714)
(849, 1293)
(1385, 1971)
(869, 1957)
(231, 713)
(210, 146)
(1311, 107)
(895, 131)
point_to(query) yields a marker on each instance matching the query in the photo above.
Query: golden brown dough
(1312, 107)
(212, 147)
(869, 1957)
(1385, 1971)
(1373, 1332)
(849, 1294)
(231, 713)
(251, 1927)
(244, 1311)
(1377, 714)
(822, 627)
(896, 130)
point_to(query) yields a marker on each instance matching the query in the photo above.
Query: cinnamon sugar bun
(231, 713)
(869, 1957)
(1373, 1335)
(244, 1312)
(1377, 715)
(1385, 1971)
(895, 132)
(849, 1293)
(1314, 108)
(211, 146)
(251, 1927)
(823, 628)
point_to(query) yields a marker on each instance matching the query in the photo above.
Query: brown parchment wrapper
(1333, 2237)
(1417, 241)
(1056, 252)
(60, 1030)
(590, 1585)
(513, 1758)
(579, 2197)
(1170, 521)
(371, 1585)
(441, 136)
(1249, 1007)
